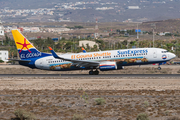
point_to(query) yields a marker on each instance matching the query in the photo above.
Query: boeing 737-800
(102, 60)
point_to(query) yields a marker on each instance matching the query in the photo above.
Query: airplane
(101, 60)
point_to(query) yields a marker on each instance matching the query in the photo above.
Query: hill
(88, 11)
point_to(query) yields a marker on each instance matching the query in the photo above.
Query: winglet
(84, 51)
(82, 48)
(53, 53)
(50, 48)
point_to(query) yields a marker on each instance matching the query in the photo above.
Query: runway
(94, 76)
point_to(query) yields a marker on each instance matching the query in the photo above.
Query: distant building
(1, 29)
(8, 29)
(55, 39)
(57, 30)
(90, 43)
(164, 33)
(31, 29)
(133, 7)
(105, 34)
(126, 34)
(4, 55)
(20, 29)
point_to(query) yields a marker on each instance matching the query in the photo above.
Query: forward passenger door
(154, 53)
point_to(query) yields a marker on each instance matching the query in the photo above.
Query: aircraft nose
(173, 55)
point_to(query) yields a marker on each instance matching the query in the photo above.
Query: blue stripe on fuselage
(33, 60)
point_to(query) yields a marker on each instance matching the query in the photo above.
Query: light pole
(127, 44)
(153, 27)
(137, 31)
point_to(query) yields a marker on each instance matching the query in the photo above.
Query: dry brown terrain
(62, 98)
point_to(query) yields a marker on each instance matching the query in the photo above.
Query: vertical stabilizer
(25, 49)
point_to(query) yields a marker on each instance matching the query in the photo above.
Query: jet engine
(104, 66)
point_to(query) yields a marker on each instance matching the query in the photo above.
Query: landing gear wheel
(91, 72)
(96, 72)
(159, 68)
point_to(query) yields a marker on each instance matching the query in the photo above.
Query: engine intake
(108, 66)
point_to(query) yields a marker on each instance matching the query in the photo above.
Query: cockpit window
(164, 51)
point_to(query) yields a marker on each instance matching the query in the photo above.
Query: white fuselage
(123, 57)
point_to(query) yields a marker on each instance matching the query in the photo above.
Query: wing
(80, 63)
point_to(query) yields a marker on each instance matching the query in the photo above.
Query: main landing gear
(159, 68)
(91, 72)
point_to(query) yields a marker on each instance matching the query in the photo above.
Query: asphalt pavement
(97, 76)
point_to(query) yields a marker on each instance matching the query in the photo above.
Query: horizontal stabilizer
(19, 60)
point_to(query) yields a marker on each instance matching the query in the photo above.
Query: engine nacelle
(108, 66)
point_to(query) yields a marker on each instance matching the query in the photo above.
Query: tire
(96, 72)
(159, 68)
(90, 72)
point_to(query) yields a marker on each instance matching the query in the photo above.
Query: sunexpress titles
(132, 52)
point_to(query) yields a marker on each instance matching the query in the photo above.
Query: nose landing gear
(159, 68)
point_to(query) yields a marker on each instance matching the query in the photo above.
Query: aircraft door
(154, 53)
(41, 63)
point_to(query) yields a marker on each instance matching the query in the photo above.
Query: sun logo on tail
(24, 45)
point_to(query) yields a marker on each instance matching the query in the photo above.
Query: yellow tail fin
(21, 42)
